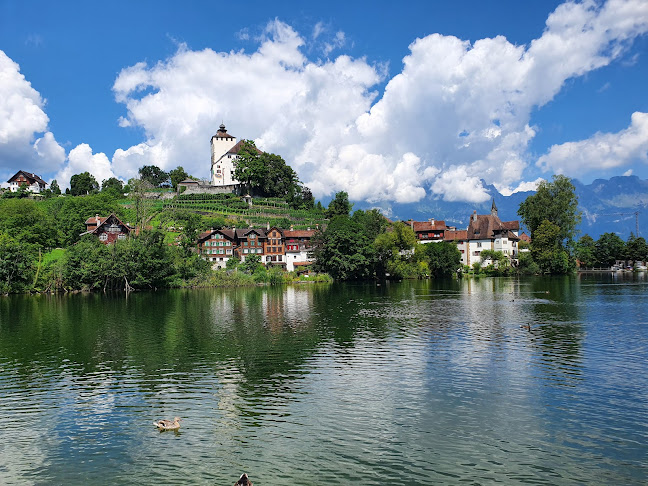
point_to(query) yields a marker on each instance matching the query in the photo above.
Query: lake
(424, 382)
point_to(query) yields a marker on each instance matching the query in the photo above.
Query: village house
(108, 229)
(28, 180)
(217, 246)
(488, 232)
(298, 247)
(274, 249)
(249, 242)
(428, 231)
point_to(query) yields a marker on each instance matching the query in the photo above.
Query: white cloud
(457, 113)
(81, 159)
(22, 118)
(601, 151)
(523, 187)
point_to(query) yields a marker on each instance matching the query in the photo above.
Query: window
(228, 251)
(121, 237)
(103, 237)
(479, 244)
(252, 236)
(245, 251)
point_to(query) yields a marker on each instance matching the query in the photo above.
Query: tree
(82, 184)
(552, 210)
(17, 261)
(177, 175)
(636, 249)
(547, 250)
(265, 174)
(555, 202)
(54, 187)
(344, 250)
(443, 258)
(609, 249)
(340, 205)
(585, 251)
(153, 175)
(113, 185)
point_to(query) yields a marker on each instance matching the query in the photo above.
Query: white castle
(224, 152)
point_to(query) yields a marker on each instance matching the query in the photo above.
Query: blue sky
(387, 102)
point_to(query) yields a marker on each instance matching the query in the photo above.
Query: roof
(30, 177)
(299, 233)
(525, 237)
(227, 233)
(242, 233)
(423, 226)
(222, 132)
(239, 145)
(103, 221)
(189, 181)
(454, 235)
(485, 226)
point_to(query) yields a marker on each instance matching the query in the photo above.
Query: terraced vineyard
(261, 212)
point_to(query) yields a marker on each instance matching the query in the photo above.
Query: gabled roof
(30, 177)
(425, 226)
(100, 222)
(299, 233)
(227, 233)
(454, 235)
(237, 148)
(486, 226)
(243, 233)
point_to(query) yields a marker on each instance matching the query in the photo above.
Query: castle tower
(222, 166)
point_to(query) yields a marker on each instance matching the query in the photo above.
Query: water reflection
(438, 380)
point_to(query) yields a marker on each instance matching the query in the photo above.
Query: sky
(388, 102)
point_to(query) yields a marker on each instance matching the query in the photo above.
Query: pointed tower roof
(493, 208)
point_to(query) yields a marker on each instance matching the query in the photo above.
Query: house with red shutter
(298, 248)
(428, 231)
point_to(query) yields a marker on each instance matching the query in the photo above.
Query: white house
(488, 232)
(224, 152)
(31, 181)
(298, 246)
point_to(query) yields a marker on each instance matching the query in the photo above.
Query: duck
(168, 424)
(243, 481)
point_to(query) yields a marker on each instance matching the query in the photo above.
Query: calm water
(411, 383)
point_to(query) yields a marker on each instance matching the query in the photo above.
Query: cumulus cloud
(81, 159)
(22, 120)
(601, 151)
(457, 113)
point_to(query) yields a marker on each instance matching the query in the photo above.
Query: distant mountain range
(607, 206)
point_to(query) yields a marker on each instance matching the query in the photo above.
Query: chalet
(428, 231)
(274, 248)
(298, 247)
(249, 242)
(217, 246)
(31, 181)
(488, 232)
(108, 230)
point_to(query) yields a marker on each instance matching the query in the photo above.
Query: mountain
(607, 206)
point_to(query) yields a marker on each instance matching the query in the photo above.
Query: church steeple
(493, 208)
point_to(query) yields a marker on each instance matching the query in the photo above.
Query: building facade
(26, 179)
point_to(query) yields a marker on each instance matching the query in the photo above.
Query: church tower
(222, 163)
(493, 208)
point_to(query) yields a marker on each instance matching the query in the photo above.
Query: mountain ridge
(607, 205)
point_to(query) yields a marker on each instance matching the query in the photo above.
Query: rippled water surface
(409, 383)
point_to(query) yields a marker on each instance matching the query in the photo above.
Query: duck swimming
(168, 424)
(243, 481)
